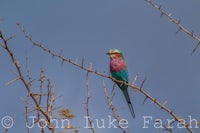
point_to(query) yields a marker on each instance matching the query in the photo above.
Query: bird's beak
(107, 53)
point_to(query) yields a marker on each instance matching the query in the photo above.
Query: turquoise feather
(123, 76)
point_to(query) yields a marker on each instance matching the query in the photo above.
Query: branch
(145, 93)
(23, 80)
(87, 103)
(112, 107)
(177, 23)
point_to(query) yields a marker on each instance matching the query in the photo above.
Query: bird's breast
(117, 65)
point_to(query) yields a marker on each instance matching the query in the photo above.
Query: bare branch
(87, 102)
(25, 83)
(12, 81)
(177, 23)
(112, 107)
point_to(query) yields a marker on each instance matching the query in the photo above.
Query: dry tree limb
(177, 23)
(87, 103)
(12, 81)
(112, 107)
(25, 82)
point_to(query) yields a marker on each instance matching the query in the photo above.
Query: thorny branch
(25, 82)
(112, 107)
(177, 23)
(140, 89)
(87, 103)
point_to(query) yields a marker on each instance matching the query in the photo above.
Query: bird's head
(115, 53)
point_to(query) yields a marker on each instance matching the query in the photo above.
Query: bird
(119, 71)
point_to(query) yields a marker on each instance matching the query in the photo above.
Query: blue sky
(88, 29)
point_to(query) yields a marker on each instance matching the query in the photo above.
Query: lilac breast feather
(116, 65)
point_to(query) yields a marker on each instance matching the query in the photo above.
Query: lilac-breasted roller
(119, 71)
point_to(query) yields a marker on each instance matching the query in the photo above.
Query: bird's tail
(125, 91)
(131, 109)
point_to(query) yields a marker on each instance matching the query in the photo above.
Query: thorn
(160, 7)
(12, 81)
(135, 79)
(162, 13)
(192, 33)
(82, 63)
(194, 49)
(11, 37)
(90, 66)
(142, 83)
(31, 81)
(178, 30)
(145, 99)
(163, 105)
(76, 60)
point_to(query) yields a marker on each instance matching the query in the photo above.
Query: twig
(50, 96)
(112, 107)
(87, 103)
(12, 81)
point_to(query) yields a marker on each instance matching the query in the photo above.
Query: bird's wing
(122, 75)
